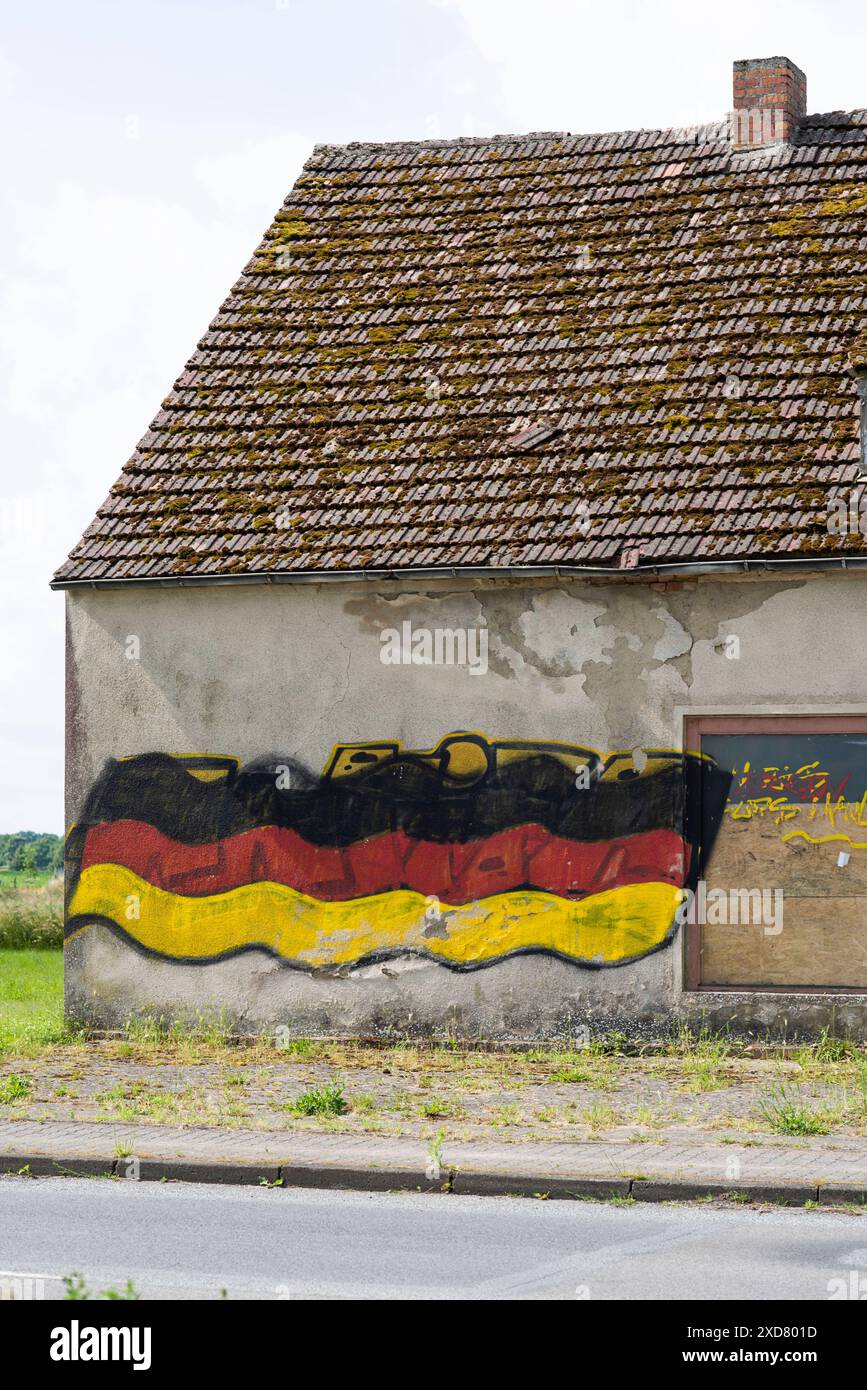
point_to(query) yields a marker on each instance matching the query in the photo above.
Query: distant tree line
(28, 852)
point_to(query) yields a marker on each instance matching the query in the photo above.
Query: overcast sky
(145, 146)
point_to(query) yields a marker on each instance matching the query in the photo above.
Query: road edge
(451, 1180)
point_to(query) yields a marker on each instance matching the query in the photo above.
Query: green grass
(322, 1100)
(31, 917)
(610, 1044)
(15, 1087)
(828, 1048)
(784, 1115)
(31, 999)
(203, 1027)
(298, 1047)
(17, 878)
(77, 1290)
(571, 1075)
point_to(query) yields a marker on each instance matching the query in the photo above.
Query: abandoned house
(476, 642)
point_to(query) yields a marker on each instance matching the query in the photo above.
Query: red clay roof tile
(686, 314)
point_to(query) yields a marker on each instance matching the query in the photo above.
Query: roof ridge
(446, 142)
(373, 394)
(816, 119)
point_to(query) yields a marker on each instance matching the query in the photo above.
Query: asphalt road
(192, 1241)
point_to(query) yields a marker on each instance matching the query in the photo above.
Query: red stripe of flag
(522, 856)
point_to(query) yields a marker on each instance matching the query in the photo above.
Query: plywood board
(795, 804)
(823, 942)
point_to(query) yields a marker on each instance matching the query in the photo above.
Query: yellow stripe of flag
(618, 925)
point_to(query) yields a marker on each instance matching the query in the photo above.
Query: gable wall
(252, 670)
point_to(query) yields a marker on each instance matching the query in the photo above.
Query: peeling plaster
(675, 641)
(609, 665)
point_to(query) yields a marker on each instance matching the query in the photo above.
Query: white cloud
(251, 179)
(102, 298)
(580, 66)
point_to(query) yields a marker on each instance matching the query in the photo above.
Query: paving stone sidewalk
(818, 1169)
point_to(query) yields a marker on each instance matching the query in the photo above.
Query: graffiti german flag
(467, 853)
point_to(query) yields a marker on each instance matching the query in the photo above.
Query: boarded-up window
(784, 896)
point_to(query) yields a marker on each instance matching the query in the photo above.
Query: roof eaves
(665, 569)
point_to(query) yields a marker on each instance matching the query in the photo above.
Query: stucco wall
(295, 668)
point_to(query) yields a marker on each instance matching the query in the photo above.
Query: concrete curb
(458, 1181)
(196, 1170)
(688, 1190)
(467, 1182)
(45, 1166)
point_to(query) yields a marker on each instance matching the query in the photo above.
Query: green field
(17, 878)
(31, 917)
(31, 998)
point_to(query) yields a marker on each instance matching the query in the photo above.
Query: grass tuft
(786, 1116)
(14, 1087)
(320, 1100)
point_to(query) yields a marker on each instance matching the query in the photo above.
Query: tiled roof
(601, 350)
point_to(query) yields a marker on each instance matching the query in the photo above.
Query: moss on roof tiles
(467, 264)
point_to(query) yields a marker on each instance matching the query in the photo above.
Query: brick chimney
(770, 98)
